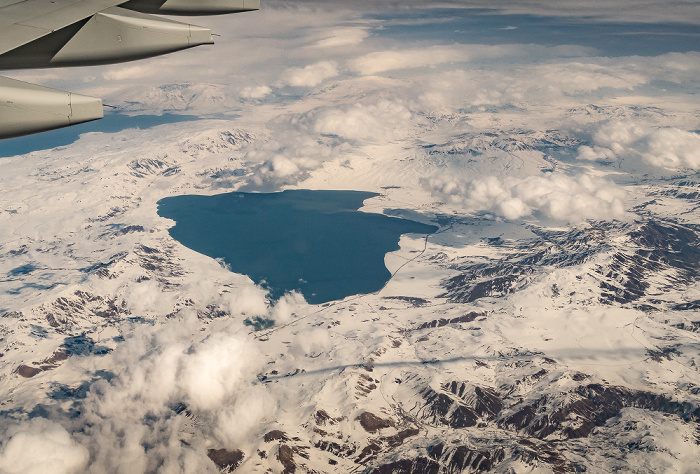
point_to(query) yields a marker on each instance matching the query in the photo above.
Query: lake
(316, 242)
(111, 123)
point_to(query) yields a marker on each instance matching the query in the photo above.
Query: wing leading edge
(60, 33)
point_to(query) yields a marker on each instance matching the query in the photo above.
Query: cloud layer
(40, 446)
(668, 148)
(382, 61)
(179, 380)
(311, 75)
(317, 84)
(555, 195)
(304, 142)
(642, 11)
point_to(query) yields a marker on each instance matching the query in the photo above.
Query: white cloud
(312, 342)
(433, 56)
(595, 153)
(311, 75)
(301, 143)
(618, 135)
(581, 77)
(523, 85)
(235, 422)
(289, 156)
(131, 71)
(668, 148)
(385, 120)
(148, 297)
(127, 423)
(210, 372)
(255, 92)
(40, 446)
(672, 148)
(340, 37)
(201, 97)
(213, 370)
(383, 61)
(280, 167)
(555, 195)
(286, 307)
(247, 300)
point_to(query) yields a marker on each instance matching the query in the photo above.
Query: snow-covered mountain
(501, 345)
(550, 324)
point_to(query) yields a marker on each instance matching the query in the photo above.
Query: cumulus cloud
(160, 369)
(304, 142)
(285, 309)
(672, 148)
(385, 120)
(247, 300)
(668, 148)
(311, 75)
(616, 136)
(555, 195)
(133, 421)
(39, 446)
(595, 153)
(213, 370)
(249, 409)
(288, 157)
(256, 92)
(156, 371)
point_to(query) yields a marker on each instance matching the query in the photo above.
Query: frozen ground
(550, 325)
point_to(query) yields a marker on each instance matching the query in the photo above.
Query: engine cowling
(28, 108)
(192, 7)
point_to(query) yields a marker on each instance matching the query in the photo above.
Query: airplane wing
(63, 33)
(23, 21)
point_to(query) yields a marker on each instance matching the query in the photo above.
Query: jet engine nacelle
(27, 108)
(192, 7)
(110, 36)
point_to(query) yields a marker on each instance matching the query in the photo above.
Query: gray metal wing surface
(22, 22)
(65, 33)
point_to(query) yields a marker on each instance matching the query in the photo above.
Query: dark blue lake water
(111, 123)
(315, 242)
